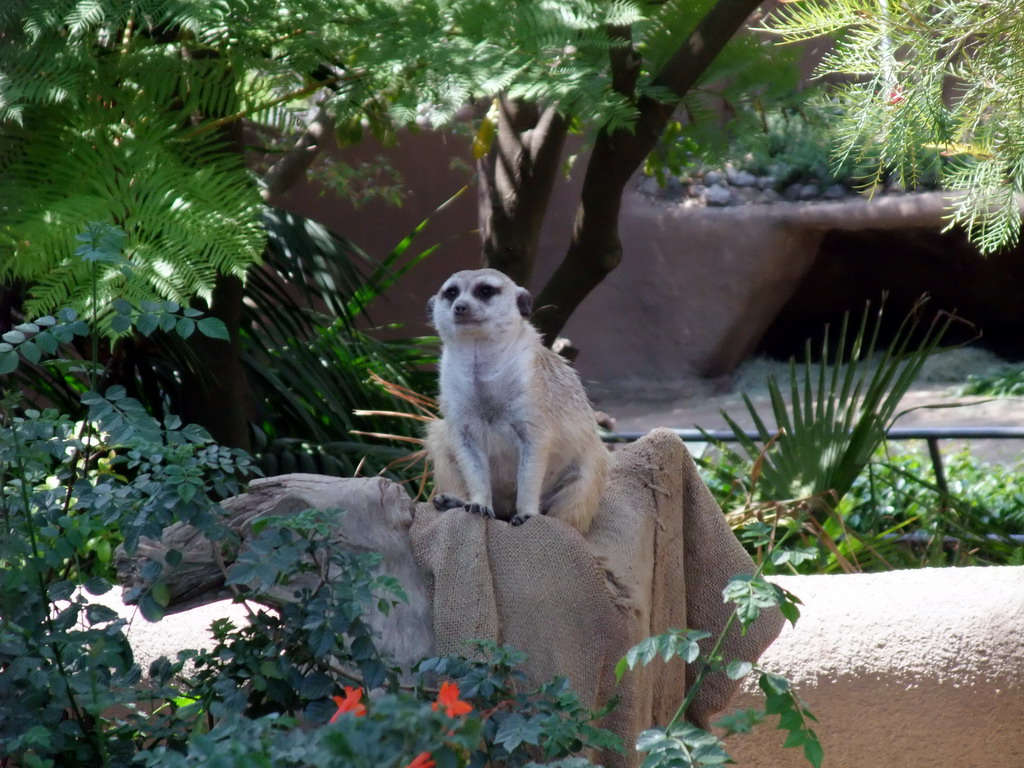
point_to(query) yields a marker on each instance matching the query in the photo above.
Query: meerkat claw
(478, 509)
(445, 501)
(518, 520)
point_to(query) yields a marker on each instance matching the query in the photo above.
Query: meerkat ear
(524, 301)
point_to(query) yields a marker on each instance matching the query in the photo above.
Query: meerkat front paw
(519, 519)
(445, 501)
(480, 509)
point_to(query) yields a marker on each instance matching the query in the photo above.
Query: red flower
(349, 703)
(896, 96)
(422, 760)
(449, 699)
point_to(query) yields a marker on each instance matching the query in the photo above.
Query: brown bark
(216, 393)
(595, 249)
(216, 389)
(292, 166)
(516, 179)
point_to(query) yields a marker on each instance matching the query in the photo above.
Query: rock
(792, 192)
(714, 177)
(673, 188)
(835, 192)
(650, 186)
(768, 196)
(914, 668)
(697, 190)
(718, 196)
(809, 191)
(765, 182)
(740, 178)
(744, 195)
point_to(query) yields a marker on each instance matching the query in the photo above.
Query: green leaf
(515, 730)
(214, 328)
(30, 352)
(46, 342)
(812, 750)
(185, 327)
(161, 594)
(146, 323)
(738, 669)
(750, 594)
(150, 609)
(8, 362)
(795, 738)
(650, 740)
(97, 585)
(741, 721)
(120, 324)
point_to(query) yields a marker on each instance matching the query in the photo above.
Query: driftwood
(378, 517)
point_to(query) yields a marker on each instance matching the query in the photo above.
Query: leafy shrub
(894, 514)
(71, 693)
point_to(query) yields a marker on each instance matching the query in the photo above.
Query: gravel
(732, 186)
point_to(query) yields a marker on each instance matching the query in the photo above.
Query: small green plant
(893, 516)
(1006, 383)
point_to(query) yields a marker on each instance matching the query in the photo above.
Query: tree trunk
(595, 249)
(216, 391)
(516, 178)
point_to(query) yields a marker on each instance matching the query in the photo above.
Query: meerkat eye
(486, 291)
(450, 292)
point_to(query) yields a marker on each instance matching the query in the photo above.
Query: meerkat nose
(460, 308)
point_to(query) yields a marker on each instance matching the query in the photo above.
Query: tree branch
(595, 249)
(293, 164)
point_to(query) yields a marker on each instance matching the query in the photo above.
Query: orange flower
(422, 760)
(449, 699)
(349, 703)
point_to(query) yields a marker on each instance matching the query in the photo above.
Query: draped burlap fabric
(656, 558)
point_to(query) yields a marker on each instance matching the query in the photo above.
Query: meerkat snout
(518, 437)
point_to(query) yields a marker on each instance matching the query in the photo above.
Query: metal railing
(932, 435)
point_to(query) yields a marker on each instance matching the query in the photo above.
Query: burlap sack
(656, 558)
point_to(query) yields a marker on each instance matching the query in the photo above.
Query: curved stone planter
(916, 669)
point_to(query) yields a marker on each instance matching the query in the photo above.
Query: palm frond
(836, 419)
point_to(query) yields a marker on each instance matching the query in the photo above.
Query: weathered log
(378, 515)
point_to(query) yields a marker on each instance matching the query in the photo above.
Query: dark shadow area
(852, 268)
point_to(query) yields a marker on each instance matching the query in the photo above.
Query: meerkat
(518, 437)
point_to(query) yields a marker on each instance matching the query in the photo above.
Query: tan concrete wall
(907, 669)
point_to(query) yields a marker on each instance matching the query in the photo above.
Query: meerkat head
(479, 304)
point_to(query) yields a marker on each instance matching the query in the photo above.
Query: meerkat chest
(492, 393)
